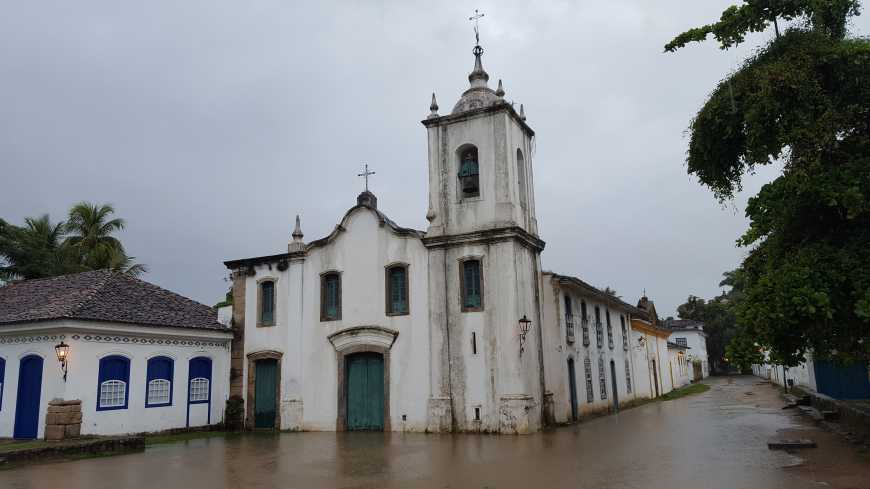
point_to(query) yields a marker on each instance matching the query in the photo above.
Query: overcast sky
(211, 124)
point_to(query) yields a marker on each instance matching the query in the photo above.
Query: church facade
(381, 327)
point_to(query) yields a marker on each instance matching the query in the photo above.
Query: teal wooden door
(265, 393)
(365, 392)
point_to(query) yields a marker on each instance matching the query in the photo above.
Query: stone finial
(433, 107)
(500, 90)
(297, 244)
(522, 113)
(430, 215)
(478, 76)
(367, 199)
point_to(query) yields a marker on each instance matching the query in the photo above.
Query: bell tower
(480, 162)
(484, 265)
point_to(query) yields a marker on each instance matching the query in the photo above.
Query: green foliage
(826, 16)
(685, 391)
(40, 248)
(742, 351)
(802, 100)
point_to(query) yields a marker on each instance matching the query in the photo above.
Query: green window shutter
(267, 302)
(398, 299)
(472, 297)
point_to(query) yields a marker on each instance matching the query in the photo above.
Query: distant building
(828, 377)
(650, 351)
(679, 368)
(689, 333)
(139, 358)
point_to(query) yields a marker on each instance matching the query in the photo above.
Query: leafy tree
(743, 351)
(91, 227)
(41, 248)
(802, 100)
(35, 250)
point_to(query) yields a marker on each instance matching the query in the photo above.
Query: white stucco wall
(309, 377)
(679, 368)
(697, 343)
(557, 351)
(90, 341)
(803, 375)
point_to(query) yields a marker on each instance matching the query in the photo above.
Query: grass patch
(179, 437)
(685, 391)
(11, 446)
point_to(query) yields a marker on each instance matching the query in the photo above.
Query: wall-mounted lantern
(62, 351)
(641, 342)
(525, 325)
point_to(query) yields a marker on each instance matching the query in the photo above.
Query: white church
(456, 328)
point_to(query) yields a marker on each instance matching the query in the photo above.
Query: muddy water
(714, 440)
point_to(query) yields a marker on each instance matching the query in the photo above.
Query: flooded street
(712, 440)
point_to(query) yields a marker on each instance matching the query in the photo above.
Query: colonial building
(650, 351)
(123, 355)
(689, 333)
(382, 327)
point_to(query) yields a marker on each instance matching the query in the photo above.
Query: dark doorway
(614, 385)
(27, 403)
(655, 374)
(572, 388)
(265, 393)
(365, 391)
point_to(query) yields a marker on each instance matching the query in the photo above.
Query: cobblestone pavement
(712, 440)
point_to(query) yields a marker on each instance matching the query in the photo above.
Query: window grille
(267, 303)
(584, 322)
(624, 333)
(113, 393)
(587, 365)
(198, 389)
(602, 379)
(627, 377)
(681, 341)
(472, 290)
(609, 329)
(397, 290)
(158, 391)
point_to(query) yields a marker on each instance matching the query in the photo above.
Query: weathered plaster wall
(697, 343)
(90, 341)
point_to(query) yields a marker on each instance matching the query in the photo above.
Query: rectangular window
(397, 290)
(584, 322)
(158, 392)
(602, 379)
(599, 334)
(609, 329)
(569, 320)
(627, 377)
(112, 394)
(330, 296)
(590, 395)
(624, 332)
(199, 389)
(472, 286)
(267, 303)
(681, 341)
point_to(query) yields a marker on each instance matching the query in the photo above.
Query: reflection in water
(691, 442)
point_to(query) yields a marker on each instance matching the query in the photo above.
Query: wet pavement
(713, 440)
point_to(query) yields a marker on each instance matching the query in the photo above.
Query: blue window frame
(2, 380)
(199, 380)
(114, 380)
(158, 388)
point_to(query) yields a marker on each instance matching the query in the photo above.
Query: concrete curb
(96, 446)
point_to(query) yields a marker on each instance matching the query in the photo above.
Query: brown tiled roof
(102, 295)
(597, 293)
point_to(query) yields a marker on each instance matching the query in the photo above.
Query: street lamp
(525, 324)
(62, 351)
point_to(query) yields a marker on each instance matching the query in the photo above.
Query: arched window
(114, 376)
(199, 386)
(330, 296)
(522, 186)
(397, 290)
(471, 283)
(159, 385)
(469, 181)
(267, 303)
(2, 380)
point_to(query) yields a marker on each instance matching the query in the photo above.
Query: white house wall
(91, 341)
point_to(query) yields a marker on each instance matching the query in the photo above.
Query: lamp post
(62, 351)
(525, 325)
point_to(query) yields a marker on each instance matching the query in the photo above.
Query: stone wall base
(440, 415)
(63, 420)
(518, 415)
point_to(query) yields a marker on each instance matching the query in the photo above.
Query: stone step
(791, 444)
(811, 412)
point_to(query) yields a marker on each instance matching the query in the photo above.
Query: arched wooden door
(27, 403)
(365, 391)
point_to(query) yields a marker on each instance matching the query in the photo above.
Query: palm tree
(90, 227)
(35, 250)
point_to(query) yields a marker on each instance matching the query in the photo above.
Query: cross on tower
(365, 174)
(476, 17)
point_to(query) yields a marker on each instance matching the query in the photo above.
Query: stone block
(54, 432)
(72, 408)
(72, 430)
(63, 418)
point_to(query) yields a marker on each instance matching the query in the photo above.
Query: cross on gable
(365, 174)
